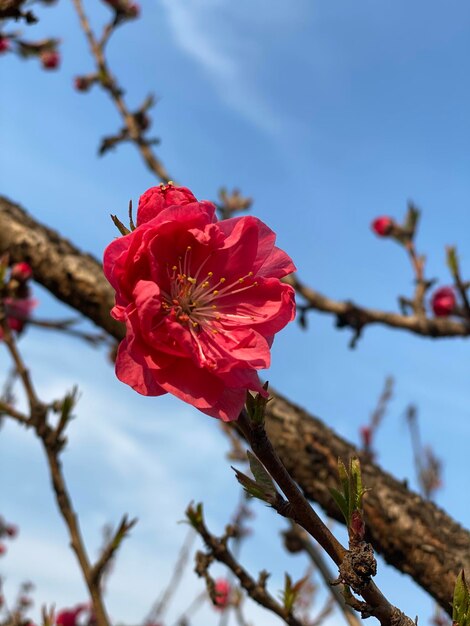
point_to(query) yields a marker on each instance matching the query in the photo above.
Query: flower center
(197, 301)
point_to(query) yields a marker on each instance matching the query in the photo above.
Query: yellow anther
(170, 182)
(217, 317)
(250, 273)
(205, 284)
(241, 280)
(194, 324)
(191, 280)
(214, 306)
(215, 292)
(255, 284)
(210, 274)
(188, 248)
(174, 267)
(222, 280)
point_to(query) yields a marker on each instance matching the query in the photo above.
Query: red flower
(222, 593)
(50, 59)
(201, 301)
(68, 617)
(17, 312)
(4, 44)
(382, 226)
(21, 272)
(443, 302)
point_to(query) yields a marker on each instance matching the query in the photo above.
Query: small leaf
(341, 502)
(461, 602)
(291, 592)
(251, 487)
(411, 220)
(261, 475)
(453, 261)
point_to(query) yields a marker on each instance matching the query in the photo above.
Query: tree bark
(414, 535)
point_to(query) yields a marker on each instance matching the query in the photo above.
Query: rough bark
(414, 535)
(71, 275)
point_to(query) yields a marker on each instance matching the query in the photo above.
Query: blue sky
(327, 114)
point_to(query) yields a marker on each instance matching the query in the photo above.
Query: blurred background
(327, 115)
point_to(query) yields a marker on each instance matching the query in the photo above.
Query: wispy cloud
(219, 50)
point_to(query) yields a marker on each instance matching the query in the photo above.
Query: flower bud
(3, 549)
(382, 226)
(357, 527)
(366, 436)
(50, 59)
(4, 44)
(11, 530)
(133, 11)
(21, 272)
(443, 302)
(81, 83)
(222, 593)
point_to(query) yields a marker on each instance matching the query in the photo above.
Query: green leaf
(461, 602)
(252, 488)
(195, 515)
(357, 483)
(291, 592)
(453, 261)
(411, 219)
(341, 502)
(261, 475)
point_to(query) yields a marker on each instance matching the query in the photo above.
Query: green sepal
(119, 225)
(256, 405)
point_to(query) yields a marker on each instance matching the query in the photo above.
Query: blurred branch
(296, 540)
(160, 606)
(219, 551)
(351, 315)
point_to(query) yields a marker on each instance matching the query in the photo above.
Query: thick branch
(414, 535)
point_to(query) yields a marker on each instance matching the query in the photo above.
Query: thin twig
(110, 85)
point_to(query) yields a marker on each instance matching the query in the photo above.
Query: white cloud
(218, 52)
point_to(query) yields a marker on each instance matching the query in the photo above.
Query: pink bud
(222, 593)
(50, 59)
(4, 44)
(443, 302)
(21, 272)
(382, 226)
(357, 528)
(133, 10)
(11, 530)
(3, 549)
(366, 436)
(81, 83)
